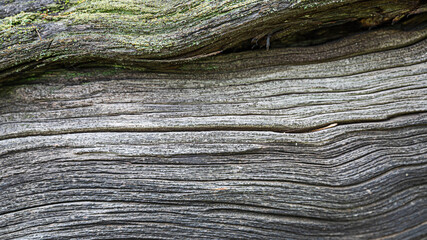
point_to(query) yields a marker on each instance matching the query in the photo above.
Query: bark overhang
(163, 35)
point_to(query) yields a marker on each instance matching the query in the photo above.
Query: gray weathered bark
(170, 119)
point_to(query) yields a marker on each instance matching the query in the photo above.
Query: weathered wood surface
(317, 142)
(134, 33)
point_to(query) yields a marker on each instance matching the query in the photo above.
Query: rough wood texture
(298, 142)
(133, 33)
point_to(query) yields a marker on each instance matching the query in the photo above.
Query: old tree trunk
(242, 119)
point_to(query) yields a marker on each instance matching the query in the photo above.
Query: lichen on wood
(131, 32)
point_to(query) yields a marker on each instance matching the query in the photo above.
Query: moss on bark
(134, 33)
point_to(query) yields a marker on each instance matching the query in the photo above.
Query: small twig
(37, 31)
(219, 189)
(323, 128)
(267, 45)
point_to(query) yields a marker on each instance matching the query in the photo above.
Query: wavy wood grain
(328, 150)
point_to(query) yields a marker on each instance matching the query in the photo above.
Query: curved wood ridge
(132, 32)
(326, 141)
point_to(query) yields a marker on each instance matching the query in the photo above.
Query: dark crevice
(328, 33)
(301, 39)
